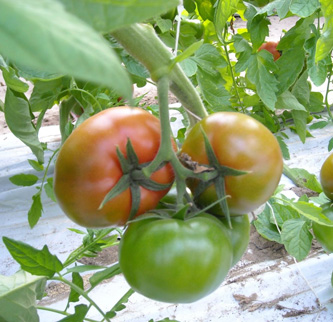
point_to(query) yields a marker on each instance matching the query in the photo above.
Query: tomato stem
(142, 43)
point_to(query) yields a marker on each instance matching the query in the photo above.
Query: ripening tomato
(173, 260)
(88, 167)
(271, 47)
(240, 142)
(326, 176)
(324, 234)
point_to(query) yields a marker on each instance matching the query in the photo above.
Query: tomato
(87, 166)
(326, 176)
(324, 234)
(175, 261)
(271, 47)
(242, 143)
(239, 235)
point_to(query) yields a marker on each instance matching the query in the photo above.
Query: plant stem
(61, 312)
(142, 43)
(326, 95)
(82, 293)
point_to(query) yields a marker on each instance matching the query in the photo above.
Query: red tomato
(240, 142)
(87, 167)
(271, 47)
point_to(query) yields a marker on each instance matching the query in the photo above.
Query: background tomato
(326, 176)
(271, 47)
(239, 235)
(176, 261)
(87, 166)
(324, 234)
(242, 143)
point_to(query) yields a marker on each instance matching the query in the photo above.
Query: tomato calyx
(132, 178)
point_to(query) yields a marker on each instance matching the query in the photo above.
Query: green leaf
(209, 59)
(119, 306)
(12, 80)
(32, 260)
(78, 281)
(65, 44)
(284, 148)
(36, 165)
(24, 179)
(106, 16)
(318, 125)
(325, 43)
(84, 268)
(105, 274)
(283, 213)
(306, 179)
(330, 145)
(259, 74)
(81, 311)
(304, 8)
(296, 238)
(288, 101)
(48, 187)
(225, 9)
(300, 120)
(311, 212)
(163, 24)
(265, 227)
(281, 7)
(18, 295)
(18, 119)
(258, 28)
(45, 94)
(189, 67)
(36, 209)
(213, 90)
(189, 51)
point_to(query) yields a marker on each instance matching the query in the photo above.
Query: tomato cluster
(171, 258)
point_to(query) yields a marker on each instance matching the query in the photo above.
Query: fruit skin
(326, 176)
(324, 234)
(271, 47)
(240, 142)
(239, 235)
(174, 260)
(87, 166)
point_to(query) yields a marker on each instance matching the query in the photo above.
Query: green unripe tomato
(324, 234)
(173, 260)
(326, 176)
(239, 235)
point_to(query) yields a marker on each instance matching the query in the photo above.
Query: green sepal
(121, 186)
(125, 165)
(142, 180)
(131, 155)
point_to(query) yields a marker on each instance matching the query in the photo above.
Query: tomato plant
(242, 143)
(174, 260)
(239, 235)
(326, 176)
(324, 234)
(270, 46)
(87, 167)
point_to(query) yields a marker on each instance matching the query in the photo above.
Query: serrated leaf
(106, 16)
(284, 148)
(288, 101)
(296, 238)
(300, 121)
(81, 311)
(258, 28)
(18, 119)
(105, 274)
(18, 295)
(304, 8)
(35, 261)
(325, 42)
(259, 75)
(78, 281)
(44, 94)
(36, 165)
(48, 187)
(283, 213)
(69, 46)
(36, 209)
(23, 179)
(224, 10)
(311, 212)
(264, 226)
